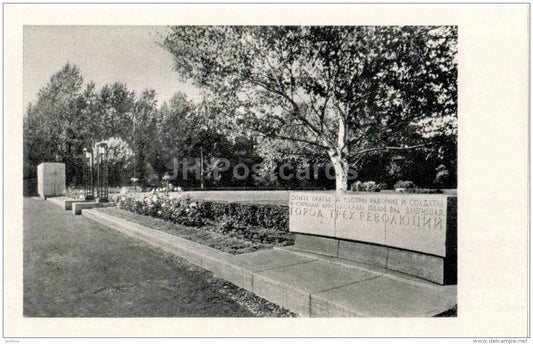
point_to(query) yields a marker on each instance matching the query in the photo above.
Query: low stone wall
(411, 233)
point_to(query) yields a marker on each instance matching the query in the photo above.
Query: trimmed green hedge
(263, 223)
(262, 215)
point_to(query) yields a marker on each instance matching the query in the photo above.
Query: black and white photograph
(235, 171)
(271, 171)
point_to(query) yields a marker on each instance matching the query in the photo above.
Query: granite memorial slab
(410, 221)
(360, 217)
(412, 233)
(417, 222)
(312, 213)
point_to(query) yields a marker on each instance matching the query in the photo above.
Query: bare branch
(354, 164)
(386, 149)
(295, 105)
(309, 155)
(294, 139)
(356, 139)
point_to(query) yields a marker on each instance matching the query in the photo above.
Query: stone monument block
(360, 217)
(312, 213)
(412, 233)
(51, 179)
(417, 223)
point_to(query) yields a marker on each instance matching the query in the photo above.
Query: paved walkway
(74, 267)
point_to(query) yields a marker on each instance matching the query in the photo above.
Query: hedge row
(255, 222)
(261, 215)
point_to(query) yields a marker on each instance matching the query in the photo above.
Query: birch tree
(346, 91)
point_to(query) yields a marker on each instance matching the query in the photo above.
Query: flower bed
(74, 193)
(258, 223)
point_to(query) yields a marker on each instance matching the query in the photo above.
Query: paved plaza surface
(74, 267)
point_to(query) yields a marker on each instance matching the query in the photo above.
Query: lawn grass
(74, 267)
(200, 235)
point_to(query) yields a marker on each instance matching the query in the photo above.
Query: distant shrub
(74, 193)
(382, 186)
(369, 186)
(408, 186)
(404, 184)
(441, 175)
(423, 191)
(357, 186)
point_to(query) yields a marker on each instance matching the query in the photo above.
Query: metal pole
(106, 181)
(134, 155)
(85, 174)
(201, 167)
(98, 172)
(92, 174)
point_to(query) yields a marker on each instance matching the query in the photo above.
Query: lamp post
(134, 179)
(89, 174)
(101, 158)
(201, 167)
(166, 178)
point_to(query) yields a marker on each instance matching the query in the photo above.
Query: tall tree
(177, 120)
(144, 137)
(344, 91)
(116, 104)
(54, 125)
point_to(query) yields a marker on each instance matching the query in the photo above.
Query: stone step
(406, 278)
(78, 206)
(65, 203)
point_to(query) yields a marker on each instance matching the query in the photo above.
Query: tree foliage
(116, 105)
(347, 91)
(54, 125)
(378, 100)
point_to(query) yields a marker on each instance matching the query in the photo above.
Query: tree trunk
(340, 164)
(339, 159)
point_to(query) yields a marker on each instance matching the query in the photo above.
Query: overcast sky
(104, 54)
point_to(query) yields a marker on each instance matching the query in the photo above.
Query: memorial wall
(416, 222)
